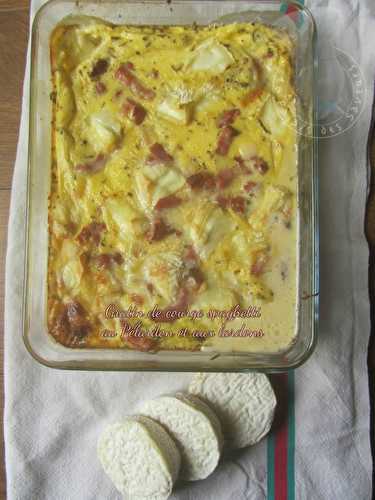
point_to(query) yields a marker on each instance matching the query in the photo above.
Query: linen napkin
(321, 448)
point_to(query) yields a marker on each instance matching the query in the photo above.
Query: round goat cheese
(195, 429)
(244, 402)
(140, 457)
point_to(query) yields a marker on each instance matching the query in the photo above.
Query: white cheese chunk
(120, 215)
(244, 402)
(140, 458)
(168, 184)
(210, 56)
(176, 111)
(105, 130)
(274, 201)
(71, 267)
(163, 272)
(153, 183)
(211, 299)
(154, 172)
(275, 118)
(72, 274)
(106, 120)
(208, 228)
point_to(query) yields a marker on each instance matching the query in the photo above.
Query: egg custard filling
(173, 205)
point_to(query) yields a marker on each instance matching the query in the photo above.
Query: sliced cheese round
(244, 402)
(140, 457)
(195, 428)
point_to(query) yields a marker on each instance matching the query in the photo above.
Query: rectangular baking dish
(301, 27)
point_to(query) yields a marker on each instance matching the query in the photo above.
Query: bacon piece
(201, 180)
(158, 230)
(117, 257)
(170, 201)
(144, 92)
(226, 136)
(182, 300)
(103, 261)
(106, 260)
(129, 66)
(236, 203)
(196, 278)
(223, 201)
(100, 67)
(194, 275)
(140, 343)
(250, 187)
(190, 255)
(158, 155)
(251, 96)
(91, 232)
(134, 111)
(71, 326)
(126, 76)
(259, 264)
(60, 327)
(75, 313)
(180, 305)
(242, 165)
(93, 166)
(100, 88)
(192, 282)
(228, 117)
(260, 165)
(225, 177)
(84, 258)
(137, 299)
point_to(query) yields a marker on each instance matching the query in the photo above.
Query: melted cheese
(242, 234)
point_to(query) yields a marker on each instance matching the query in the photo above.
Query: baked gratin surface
(174, 184)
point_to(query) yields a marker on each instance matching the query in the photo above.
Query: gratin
(173, 188)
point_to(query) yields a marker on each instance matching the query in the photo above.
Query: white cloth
(53, 418)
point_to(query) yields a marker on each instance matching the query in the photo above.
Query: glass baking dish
(301, 28)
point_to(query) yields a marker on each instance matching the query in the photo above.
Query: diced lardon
(244, 402)
(140, 458)
(195, 428)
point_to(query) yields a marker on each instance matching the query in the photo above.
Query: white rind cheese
(244, 402)
(140, 457)
(195, 428)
